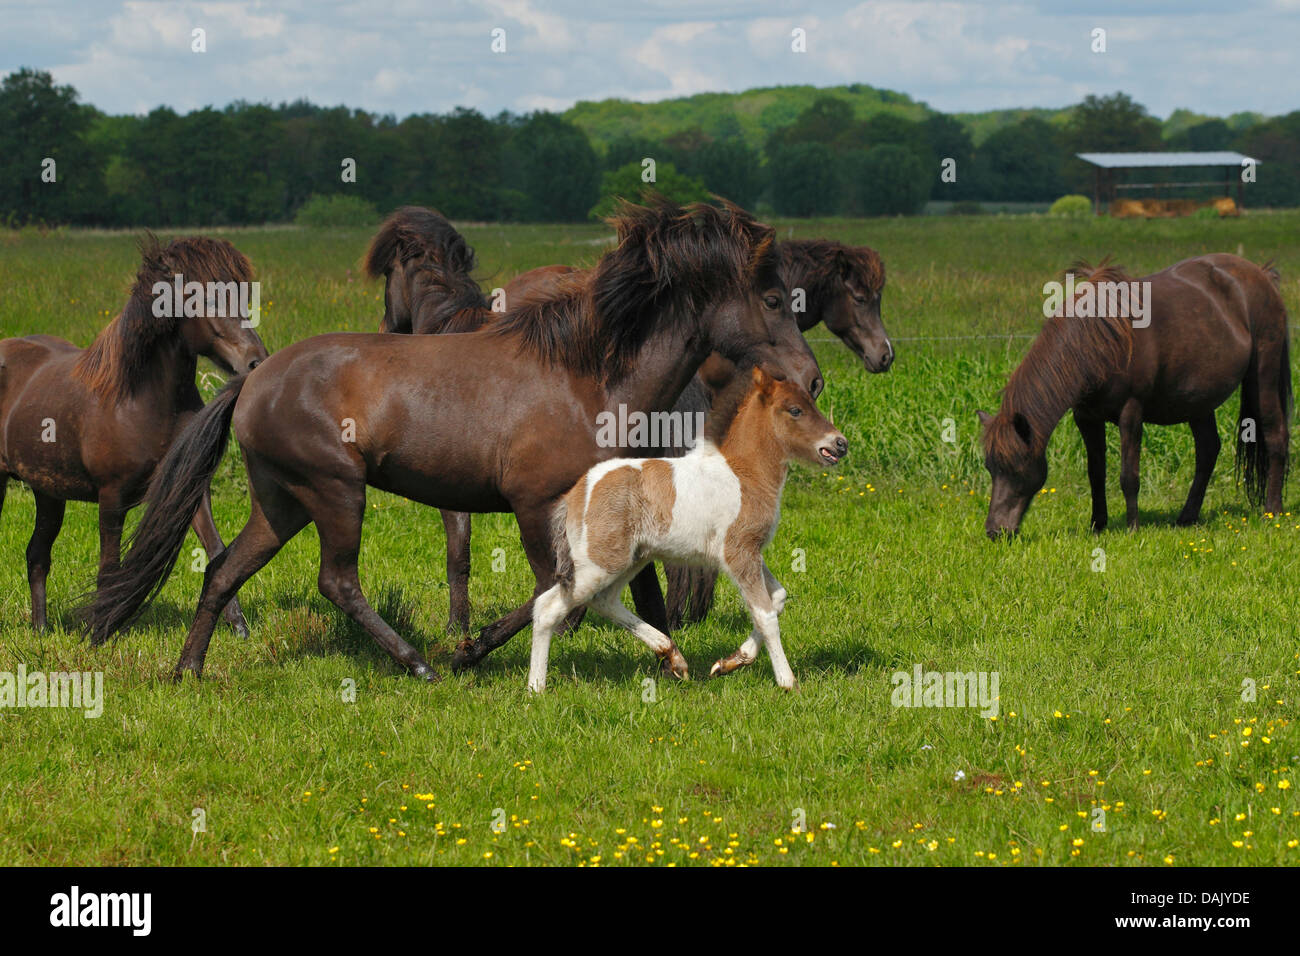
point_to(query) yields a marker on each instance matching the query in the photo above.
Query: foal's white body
(708, 500)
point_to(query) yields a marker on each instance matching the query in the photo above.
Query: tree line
(62, 161)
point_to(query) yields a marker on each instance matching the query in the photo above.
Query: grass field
(1120, 690)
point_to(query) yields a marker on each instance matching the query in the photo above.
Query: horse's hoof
(463, 656)
(240, 627)
(424, 672)
(181, 670)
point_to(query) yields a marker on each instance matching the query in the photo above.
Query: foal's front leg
(1130, 448)
(766, 599)
(747, 653)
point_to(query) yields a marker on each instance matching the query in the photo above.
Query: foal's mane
(1069, 355)
(818, 266)
(115, 363)
(422, 239)
(671, 263)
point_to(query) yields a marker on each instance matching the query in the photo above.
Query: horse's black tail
(1252, 449)
(690, 594)
(175, 493)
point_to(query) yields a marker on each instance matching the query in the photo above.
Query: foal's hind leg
(49, 519)
(457, 526)
(1130, 449)
(1205, 431)
(607, 604)
(206, 529)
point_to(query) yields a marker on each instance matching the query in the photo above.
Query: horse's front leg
(206, 528)
(1093, 432)
(1130, 449)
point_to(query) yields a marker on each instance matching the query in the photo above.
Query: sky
(404, 57)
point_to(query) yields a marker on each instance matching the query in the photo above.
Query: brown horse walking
(1208, 324)
(841, 286)
(92, 424)
(503, 419)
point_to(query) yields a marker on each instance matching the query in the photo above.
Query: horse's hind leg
(206, 528)
(49, 519)
(457, 526)
(1205, 431)
(1277, 438)
(276, 517)
(1130, 450)
(1093, 432)
(338, 508)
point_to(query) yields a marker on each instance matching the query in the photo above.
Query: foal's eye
(795, 411)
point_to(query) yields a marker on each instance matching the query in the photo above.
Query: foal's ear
(984, 417)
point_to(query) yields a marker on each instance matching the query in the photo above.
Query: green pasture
(1147, 680)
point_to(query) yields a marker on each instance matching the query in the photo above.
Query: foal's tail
(175, 493)
(1252, 456)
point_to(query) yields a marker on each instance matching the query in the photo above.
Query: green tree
(40, 121)
(626, 183)
(888, 180)
(1021, 163)
(805, 179)
(556, 169)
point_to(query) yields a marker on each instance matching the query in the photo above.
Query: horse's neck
(169, 374)
(660, 374)
(1046, 386)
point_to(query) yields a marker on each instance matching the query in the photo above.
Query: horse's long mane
(1070, 355)
(422, 240)
(671, 263)
(818, 266)
(118, 359)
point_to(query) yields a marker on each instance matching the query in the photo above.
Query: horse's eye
(860, 299)
(772, 301)
(795, 411)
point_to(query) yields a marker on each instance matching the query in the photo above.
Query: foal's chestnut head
(800, 428)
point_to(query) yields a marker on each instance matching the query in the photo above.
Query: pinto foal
(718, 506)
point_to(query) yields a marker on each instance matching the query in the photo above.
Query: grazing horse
(92, 424)
(1190, 334)
(504, 419)
(718, 506)
(427, 268)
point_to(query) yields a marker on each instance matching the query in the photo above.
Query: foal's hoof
(674, 664)
(424, 672)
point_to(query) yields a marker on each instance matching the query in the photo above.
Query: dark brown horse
(829, 282)
(92, 424)
(503, 419)
(1187, 338)
(427, 268)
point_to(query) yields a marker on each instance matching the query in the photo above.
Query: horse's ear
(843, 265)
(1021, 424)
(985, 418)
